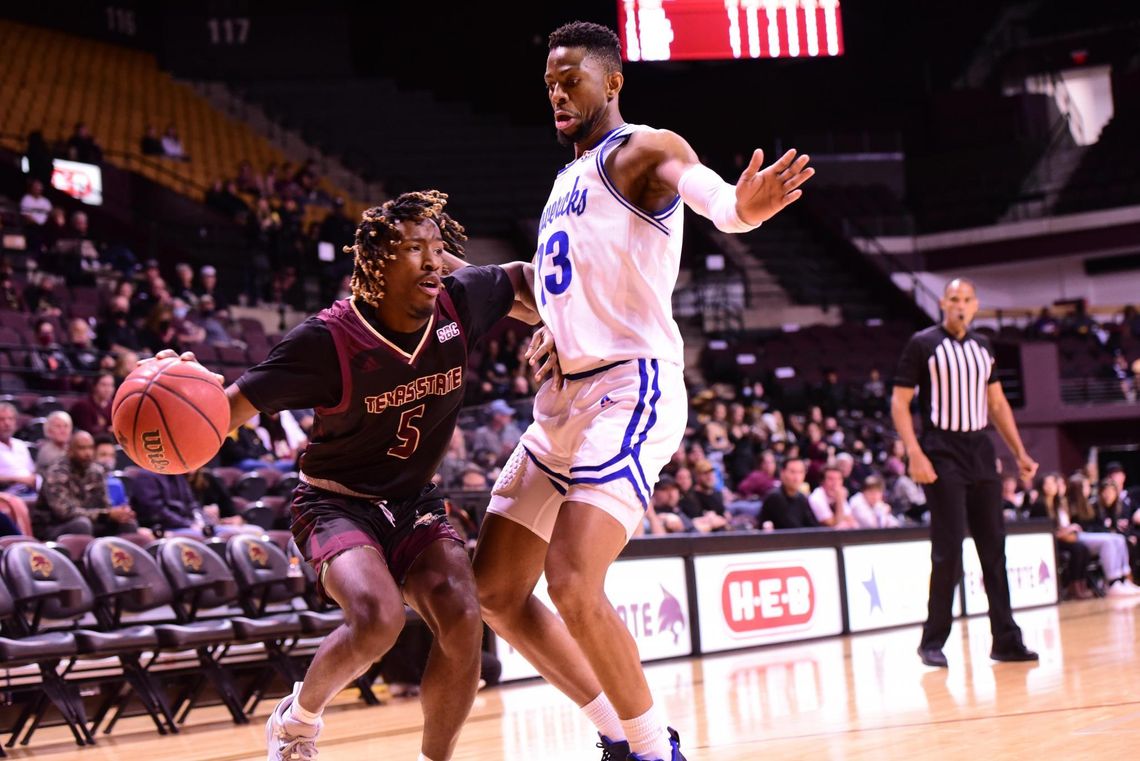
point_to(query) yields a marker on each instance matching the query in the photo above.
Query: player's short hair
(378, 231)
(599, 41)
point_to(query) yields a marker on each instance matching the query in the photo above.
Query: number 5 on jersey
(558, 248)
(407, 433)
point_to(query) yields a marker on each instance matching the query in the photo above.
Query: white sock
(297, 713)
(423, 758)
(647, 736)
(602, 715)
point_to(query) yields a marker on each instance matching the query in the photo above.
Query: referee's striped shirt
(951, 376)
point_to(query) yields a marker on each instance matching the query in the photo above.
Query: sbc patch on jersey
(447, 332)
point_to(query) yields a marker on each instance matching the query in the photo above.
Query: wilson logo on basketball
(191, 559)
(755, 599)
(121, 560)
(155, 450)
(40, 564)
(258, 555)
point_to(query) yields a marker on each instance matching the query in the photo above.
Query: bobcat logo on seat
(41, 564)
(191, 560)
(121, 560)
(258, 555)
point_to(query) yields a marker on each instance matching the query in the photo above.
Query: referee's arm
(919, 466)
(1002, 417)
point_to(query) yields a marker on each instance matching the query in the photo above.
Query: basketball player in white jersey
(570, 497)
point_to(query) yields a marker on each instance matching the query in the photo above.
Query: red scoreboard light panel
(695, 30)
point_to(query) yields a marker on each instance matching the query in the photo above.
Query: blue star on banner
(872, 587)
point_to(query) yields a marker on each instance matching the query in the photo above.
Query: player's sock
(647, 736)
(423, 758)
(600, 711)
(299, 714)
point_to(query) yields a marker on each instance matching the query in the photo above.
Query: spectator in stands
(125, 363)
(829, 500)
(1079, 322)
(92, 413)
(172, 146)
(40, 296)
(282, 438)
(473, 478)
(218, 508)
(1045, 326)
(663, 514)
(81, 349)
(1130, 321)
(869, 509)
(500, 435)
(845, 461)
(151, 145)
(212, 322)
(709, 498)
(165, 502)
(53, 231)
(787, 507)
(183, 286)
(115, 332)
(1115, 471)
(159, 331)
(81, 146)
(1123, 374)
(906, 497)
(208, 286)
(74, 500)
(874, 393)
(1052, 504)
(77, 254)
(244, 449)
(106, 454)
(687, 502)
(17, 471)
(10, 296)
(47, 359)
(337, 228)
(1011, 497)
(450, 471)
(1118, 517)
(1110, 548)
(832, 393)
(35, 206)
(39, 158)
(761, 480)
(57, 436)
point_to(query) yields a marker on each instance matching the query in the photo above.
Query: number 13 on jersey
(557, 248)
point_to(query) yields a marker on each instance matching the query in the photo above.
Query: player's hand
(921, 469)
(186, 356)
(1026, 468)
(543, 354)
(761, 193)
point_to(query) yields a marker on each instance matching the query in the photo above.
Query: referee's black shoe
(933, 656)
(1018, 652)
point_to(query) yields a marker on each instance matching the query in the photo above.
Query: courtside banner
(759, 598)
(651, 597)
(888, 584)
(1031, 564)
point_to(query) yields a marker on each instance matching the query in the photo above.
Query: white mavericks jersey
(605, 269)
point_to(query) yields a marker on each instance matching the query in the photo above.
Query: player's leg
(508, 561)
(441, 587)
(987, 526)
(359, 581)
(946, 498)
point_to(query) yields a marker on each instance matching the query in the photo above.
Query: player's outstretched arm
(758, 195)
(522, 278)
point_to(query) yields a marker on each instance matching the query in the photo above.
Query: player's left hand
(544, 354)
(1026, 468)
(186, 356)
(761, 193)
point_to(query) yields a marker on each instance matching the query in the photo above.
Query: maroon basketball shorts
(326, 524)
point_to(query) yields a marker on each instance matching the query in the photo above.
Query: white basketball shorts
(602, 440)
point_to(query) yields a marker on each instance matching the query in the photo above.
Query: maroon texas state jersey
(397, 410)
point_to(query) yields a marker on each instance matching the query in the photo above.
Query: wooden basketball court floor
(859, 697)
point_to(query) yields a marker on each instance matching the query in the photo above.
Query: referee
(953, 369)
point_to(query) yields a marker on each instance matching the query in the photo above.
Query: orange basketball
(170, 416)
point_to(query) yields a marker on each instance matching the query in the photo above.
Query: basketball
(170, 416)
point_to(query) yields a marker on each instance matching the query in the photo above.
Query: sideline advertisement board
(1031, 565)
(888, 584)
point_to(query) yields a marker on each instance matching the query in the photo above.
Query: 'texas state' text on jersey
(605, 269)
(394, 405)
(951, 376)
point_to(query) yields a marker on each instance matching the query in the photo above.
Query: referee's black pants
(966, 494)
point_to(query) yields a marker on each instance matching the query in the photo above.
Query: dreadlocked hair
(599, 41)
(379, 231)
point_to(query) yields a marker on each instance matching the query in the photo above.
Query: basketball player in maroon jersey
(385, 373)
